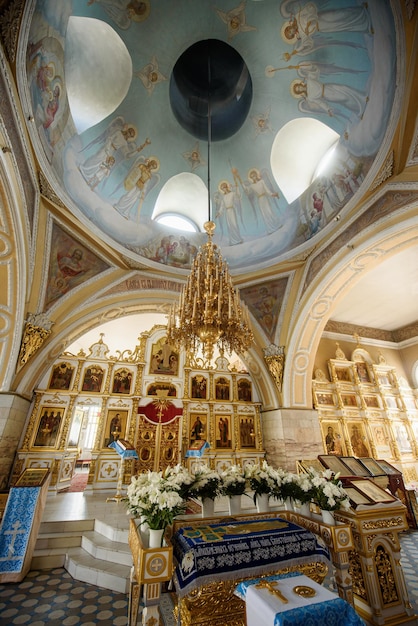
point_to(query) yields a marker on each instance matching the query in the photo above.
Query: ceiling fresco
(99, 80)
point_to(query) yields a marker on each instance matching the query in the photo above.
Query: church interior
(291, 128)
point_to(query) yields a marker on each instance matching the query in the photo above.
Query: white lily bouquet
(233, 481)
(157, 497)
(261, 479)
(206, 483)
(328, 491)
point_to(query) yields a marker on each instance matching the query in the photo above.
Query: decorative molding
(139, 282)
(11, 17)
(386, 171)
(344, 328)
(48, 192)
(395, 336)
(274, 358)
(36, 331)
(132, 264)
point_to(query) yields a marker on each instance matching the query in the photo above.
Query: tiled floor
(54, 598)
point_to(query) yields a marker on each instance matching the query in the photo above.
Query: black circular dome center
(210, 82)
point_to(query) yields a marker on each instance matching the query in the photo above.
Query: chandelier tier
(210, 312)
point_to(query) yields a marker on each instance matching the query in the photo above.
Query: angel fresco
(194, 157)
(141, 178)
(150, 75)
(318, 97)
(123, 12)
(263, 198)
(117, 141)
(306, 24)
(235, 20)
(46, 88)
(228, 208)
(262, 123)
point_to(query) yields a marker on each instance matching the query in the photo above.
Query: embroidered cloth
(240, 549)
(125, 451)
(197, 449)
(16, 527)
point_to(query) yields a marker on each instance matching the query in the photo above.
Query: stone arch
(348, 266)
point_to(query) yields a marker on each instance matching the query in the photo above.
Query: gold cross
(271, 587)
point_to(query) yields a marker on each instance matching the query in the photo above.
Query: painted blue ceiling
(344, 54)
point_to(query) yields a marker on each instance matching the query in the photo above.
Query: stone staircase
(90, 550)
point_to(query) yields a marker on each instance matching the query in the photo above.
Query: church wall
(409, 359)
(13, 414)
(291, 435)
(393, 355)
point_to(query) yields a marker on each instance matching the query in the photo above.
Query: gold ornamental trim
(383, 523)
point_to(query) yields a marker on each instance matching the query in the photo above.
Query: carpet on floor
(78, 482)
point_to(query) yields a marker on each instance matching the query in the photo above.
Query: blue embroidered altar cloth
(238, 549)
(125, 451)
(16, 528)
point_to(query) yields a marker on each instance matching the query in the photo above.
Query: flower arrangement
(206, 483)
(286, 485)
(156, 498)
(303, 488)
(180, 479)
(233, 481)
(328, 491)
(261, 480)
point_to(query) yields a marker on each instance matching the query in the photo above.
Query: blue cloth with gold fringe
(235, 549)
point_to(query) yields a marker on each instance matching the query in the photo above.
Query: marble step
(100, 547)
(84, 567)
(92, 551)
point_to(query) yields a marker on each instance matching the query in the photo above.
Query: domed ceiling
(297, 98)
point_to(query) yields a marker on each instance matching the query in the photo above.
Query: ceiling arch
(318, 304)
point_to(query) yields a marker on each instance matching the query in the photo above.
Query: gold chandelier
(210, 312)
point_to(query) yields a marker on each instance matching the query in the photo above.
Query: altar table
(264, 608)
(240, 549)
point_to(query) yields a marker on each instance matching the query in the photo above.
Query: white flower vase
(288, 504)
(328, 517)
(143, 529)
(305, 509)
(156, 537)
(262, 502)
(208, 507)
(234, 505)
(279, 504)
